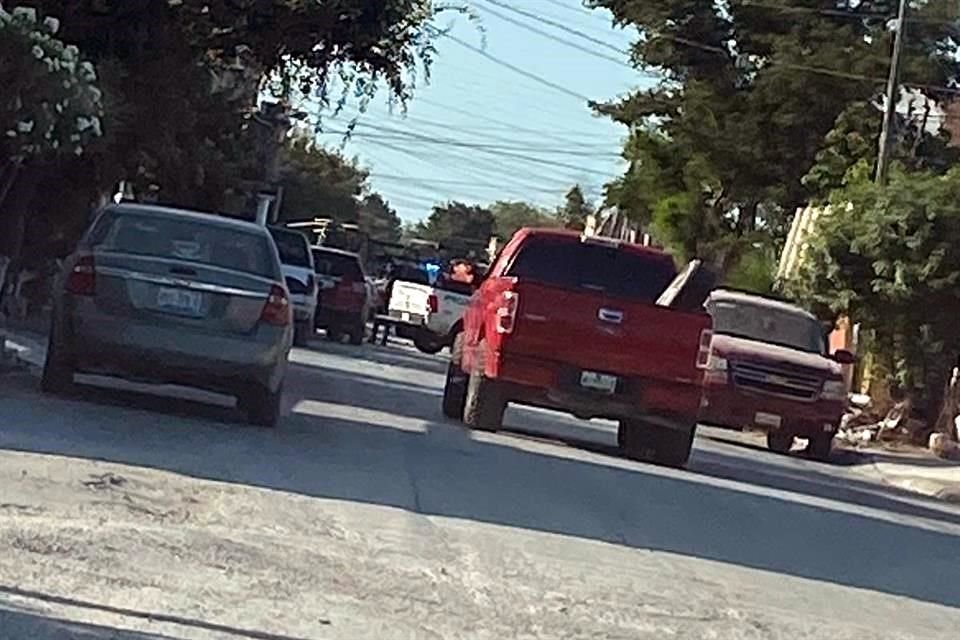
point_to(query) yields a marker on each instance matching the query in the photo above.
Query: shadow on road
(44, 628)
(440, 470)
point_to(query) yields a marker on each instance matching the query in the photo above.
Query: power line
(432, 182)
(556, 25)
(853, 15)
(518, 70)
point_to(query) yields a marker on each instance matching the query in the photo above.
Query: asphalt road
(126, 515)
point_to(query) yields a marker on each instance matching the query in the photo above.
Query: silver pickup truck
(433, 313)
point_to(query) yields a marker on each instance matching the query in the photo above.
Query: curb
(944, 491)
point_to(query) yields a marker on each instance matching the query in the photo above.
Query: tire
(639, 440)
(302, 332)
(427, 343)
(820, 446)
(484, 403)
(59, 366)
(333, 334)
(262, 406)
(779, 441)
(454, 392)
(356, 335)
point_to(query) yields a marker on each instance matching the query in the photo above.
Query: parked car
(434, 313)
(769, 369)
(345, 302)
(171, 296)
(588, 326)
(298, 272)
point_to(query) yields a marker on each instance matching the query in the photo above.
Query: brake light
(507, 312)
(703, 352)
(82, 280)
(433, 303)
(276, 310)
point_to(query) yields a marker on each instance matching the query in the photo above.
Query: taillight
(82, 280)
(507, 312)
(433, 303)
(276, 310)
(703, 352)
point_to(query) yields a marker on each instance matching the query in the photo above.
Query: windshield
(569, 263)
(338, 265)
(764, 324)
(292, 247)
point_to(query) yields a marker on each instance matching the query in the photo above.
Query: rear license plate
(405, 316)
(598, 381)
(767, 420)
(179, 300)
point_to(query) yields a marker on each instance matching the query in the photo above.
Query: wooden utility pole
(893, 97)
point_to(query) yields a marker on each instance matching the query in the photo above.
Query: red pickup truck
(589, 326)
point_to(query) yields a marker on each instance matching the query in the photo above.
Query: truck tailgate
(409, 298)
(595, 332)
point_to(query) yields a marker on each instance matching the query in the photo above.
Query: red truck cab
(585, 326)
(768, 369)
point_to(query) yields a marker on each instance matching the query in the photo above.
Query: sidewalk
(27, 348)
(919, 472)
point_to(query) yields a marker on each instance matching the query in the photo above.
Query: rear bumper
(726, 406)
(555, 385)
(175, 355)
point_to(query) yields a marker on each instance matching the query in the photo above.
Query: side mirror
(844, 357)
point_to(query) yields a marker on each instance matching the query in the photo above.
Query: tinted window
(184, 239)
(292, 247)
(572, 264)
(330, 263)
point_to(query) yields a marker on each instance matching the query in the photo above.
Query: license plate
(598, 381)
(768, 419)
(180, 300)
(405, 316)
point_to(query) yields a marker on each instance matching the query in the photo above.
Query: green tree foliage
(459, 227)
(719, 148)
(575, 210)
(378, 219)
(319, 183)
(890, 257)
(511, 216)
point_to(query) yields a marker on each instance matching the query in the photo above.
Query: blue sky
(480, 132)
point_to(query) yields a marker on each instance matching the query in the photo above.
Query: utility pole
(893, 97)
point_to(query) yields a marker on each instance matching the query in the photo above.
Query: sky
(481, 132)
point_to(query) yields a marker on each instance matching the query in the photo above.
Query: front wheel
(58, 367)
(820, 446)
(263, 406)
(647, 442)
(779, 441)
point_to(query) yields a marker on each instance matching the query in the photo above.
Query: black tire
(333, 334)
(302, 332)
(639, 440)
(427, 343)
(59, 365)
(484, 403)
(820, 446)
(779, 441)
(454, 392)
(262, 406)
(356, 335)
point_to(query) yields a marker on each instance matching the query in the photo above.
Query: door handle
(612, 316)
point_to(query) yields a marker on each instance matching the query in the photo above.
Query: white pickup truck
(434, 313)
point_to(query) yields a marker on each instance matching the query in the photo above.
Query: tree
(319, 183)
(575, 210)
(890, 257)
(379, 220)
(512, 216)
(459, 227)
(718, 149)
(51, 107)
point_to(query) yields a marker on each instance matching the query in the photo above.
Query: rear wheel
(356, 334)
(333, 333)
(647, 442)
(484, 403)
(427, 343)
(59, 367)
(455, 392)
(779, 441)
(262, 406)
(302, 333)
(820, 446)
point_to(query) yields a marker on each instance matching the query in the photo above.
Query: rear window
(292, 247)
(329, 263)
(572, 264)
(184, 239)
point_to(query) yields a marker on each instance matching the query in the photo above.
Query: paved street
(131, 516)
